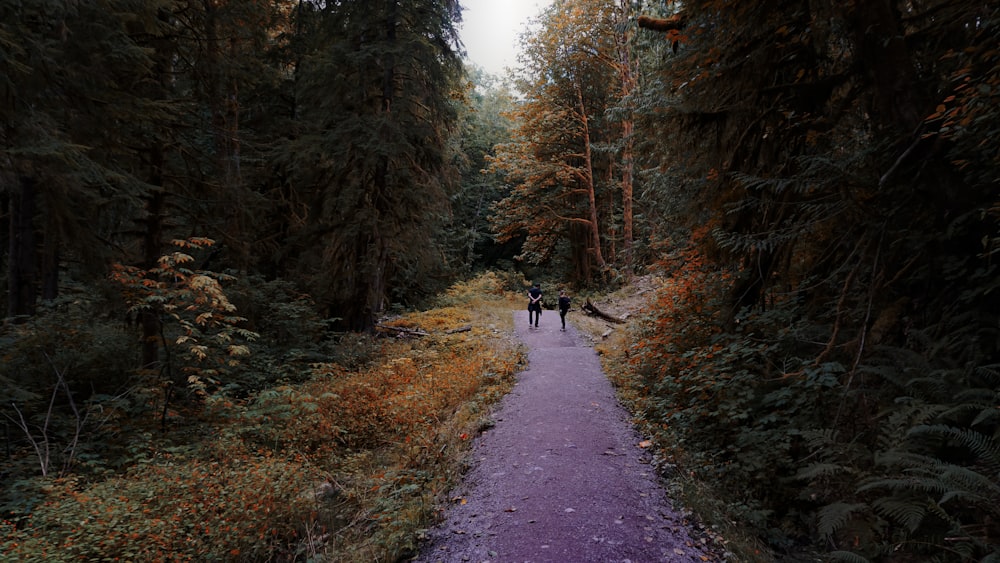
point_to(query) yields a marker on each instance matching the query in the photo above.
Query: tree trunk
(579, 237)
(883, 51)
(628, 169)
(627, 73)
(21, 280)
(588, 173)
(50, 260)
(152, 250)
(377, 256)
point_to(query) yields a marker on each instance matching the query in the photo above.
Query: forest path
(561, 476)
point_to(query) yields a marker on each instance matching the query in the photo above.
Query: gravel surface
(561, 477)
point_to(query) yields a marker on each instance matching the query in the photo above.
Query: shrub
(229, 508)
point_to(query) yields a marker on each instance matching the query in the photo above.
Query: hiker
(563, 307)
(534, 303)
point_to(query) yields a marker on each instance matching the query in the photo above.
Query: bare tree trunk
(152, 249)
(628, 81)
(588, 172)
(50, 259)
(21, 275)
(883, 50)
(628, 169)
(377, 254)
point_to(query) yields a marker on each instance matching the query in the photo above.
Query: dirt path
(561, 477)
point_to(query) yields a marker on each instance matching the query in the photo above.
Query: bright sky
(490, 30)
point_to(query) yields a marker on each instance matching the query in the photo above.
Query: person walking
(534, 304)
(564, 301)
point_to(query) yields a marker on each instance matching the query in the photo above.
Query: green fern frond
(934, 386)
(822, 469)
(847, 557)
(983, 446)
(912, 410)
(977, 395)
(907, 512)
(939, 511)
(832, 517)
(820, 439)
(979, 486)
(777, 185)
(990, 373)
(926, 485)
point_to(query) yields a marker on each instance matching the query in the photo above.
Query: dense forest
(220, 216)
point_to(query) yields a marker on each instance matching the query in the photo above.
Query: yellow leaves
(199, 351)
(193, 242)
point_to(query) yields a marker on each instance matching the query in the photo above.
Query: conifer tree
(373, 160)
(484, 123)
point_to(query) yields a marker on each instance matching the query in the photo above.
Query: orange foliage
(686, 315)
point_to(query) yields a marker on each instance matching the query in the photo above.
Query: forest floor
(563, 475)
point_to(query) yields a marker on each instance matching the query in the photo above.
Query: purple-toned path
(561, 477)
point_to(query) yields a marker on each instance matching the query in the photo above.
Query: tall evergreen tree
(375, 95)
(484, 123)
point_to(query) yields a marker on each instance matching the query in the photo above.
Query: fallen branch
(674, 22)
(465, 328)
(592, 309)
(401, 331)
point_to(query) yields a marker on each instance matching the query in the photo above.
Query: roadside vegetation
(336, 448)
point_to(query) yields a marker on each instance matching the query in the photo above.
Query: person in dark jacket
(534, 304)
(563, 307)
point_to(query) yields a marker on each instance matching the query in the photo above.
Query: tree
(484, 123)
(376, 113)
(824, 145)
(552, 162)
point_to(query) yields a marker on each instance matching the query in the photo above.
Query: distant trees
(565, 161)
(485, 123)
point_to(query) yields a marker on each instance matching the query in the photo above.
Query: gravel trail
(561, 476)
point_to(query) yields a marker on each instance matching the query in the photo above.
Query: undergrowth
(326, 457)
(794, 447)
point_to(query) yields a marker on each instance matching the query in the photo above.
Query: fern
(908, 511)
(822, 469)
(847, 557)
(985, 447)
(833, 517)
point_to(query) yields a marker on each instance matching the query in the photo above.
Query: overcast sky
(490, 30)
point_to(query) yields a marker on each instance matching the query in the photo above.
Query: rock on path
(561, 477)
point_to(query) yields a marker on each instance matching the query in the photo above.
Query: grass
(347, 464)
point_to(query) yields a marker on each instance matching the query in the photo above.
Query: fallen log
(401, 331)
(674, 22)
(592, 309)
(465, 328)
